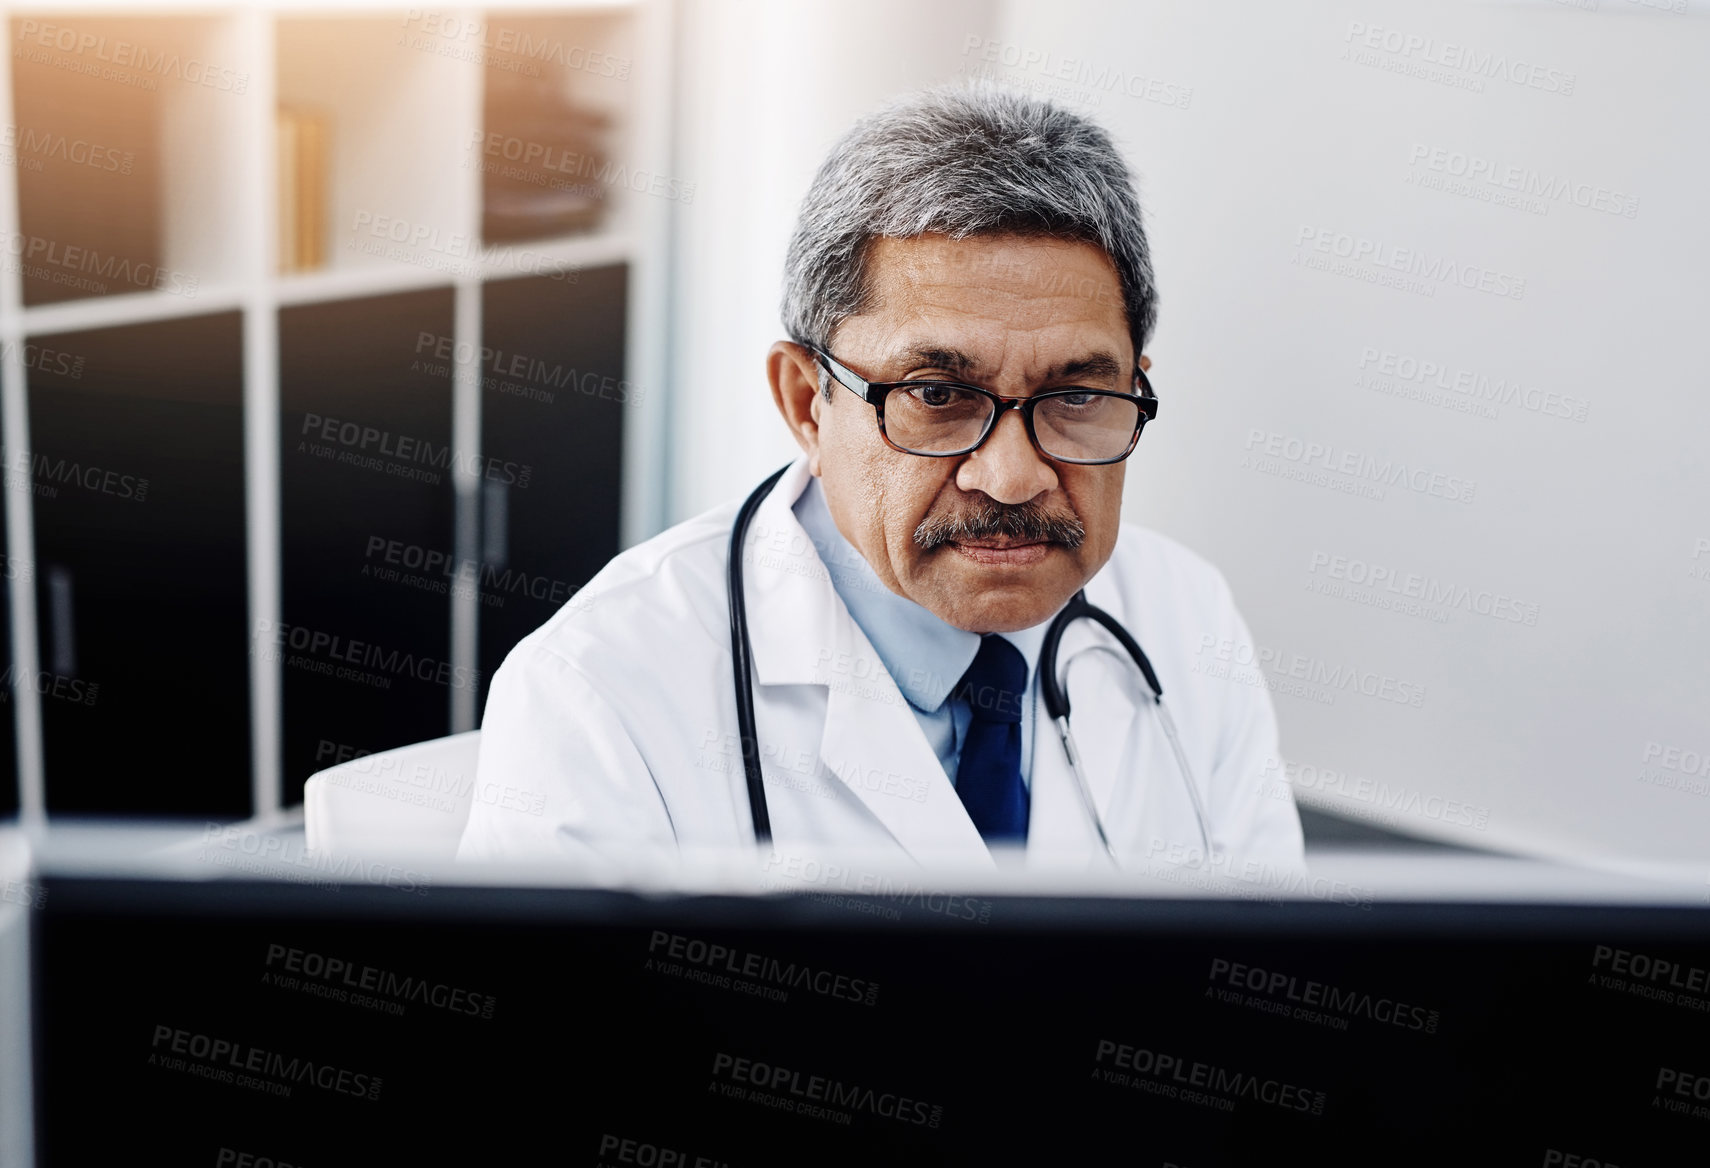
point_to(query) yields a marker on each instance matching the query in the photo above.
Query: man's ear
(794, 375)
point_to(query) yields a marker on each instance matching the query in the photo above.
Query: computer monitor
(245, 1022)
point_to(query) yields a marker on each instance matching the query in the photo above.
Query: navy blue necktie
(988, 775)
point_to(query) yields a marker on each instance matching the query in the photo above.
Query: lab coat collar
(782, 573)
(871, 740)
(926, 656)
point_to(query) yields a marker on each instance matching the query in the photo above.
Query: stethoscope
(1056, 698)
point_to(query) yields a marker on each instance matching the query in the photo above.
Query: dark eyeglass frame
(875, 392)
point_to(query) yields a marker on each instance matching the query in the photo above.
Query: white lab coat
(614, 724)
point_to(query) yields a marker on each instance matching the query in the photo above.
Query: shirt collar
(924, 655)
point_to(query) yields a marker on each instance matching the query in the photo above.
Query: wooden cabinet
(553, 402)
(136, 474)
(367, 525)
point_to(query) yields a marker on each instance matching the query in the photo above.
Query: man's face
(1014, 315)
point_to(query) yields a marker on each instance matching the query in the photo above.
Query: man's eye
(928, 394)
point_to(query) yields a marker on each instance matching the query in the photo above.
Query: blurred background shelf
(128, 308)
(242, 242)
(314, 287)
(118, 189)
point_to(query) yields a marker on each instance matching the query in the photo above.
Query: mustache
(1027, 522)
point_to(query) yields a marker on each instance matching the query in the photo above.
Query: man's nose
(1006, 466)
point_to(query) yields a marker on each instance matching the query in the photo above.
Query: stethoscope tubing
(742, 661)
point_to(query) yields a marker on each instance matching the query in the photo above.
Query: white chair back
(409, 802)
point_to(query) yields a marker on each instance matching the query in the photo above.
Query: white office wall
(1537, 647)
(1318, 126)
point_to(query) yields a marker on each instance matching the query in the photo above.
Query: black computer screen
(320, 1025)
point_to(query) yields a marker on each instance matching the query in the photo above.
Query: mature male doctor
(959, 254)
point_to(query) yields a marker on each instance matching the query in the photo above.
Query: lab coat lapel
(802, 634)
(875, 745)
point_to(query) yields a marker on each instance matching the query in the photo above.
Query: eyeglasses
(943, 419)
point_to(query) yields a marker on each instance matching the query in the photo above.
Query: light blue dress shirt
(925, 656)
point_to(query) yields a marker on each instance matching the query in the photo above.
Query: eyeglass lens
(936, 419)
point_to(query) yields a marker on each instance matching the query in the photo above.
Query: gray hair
(961, 160)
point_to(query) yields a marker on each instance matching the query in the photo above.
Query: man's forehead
(1032, 284)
